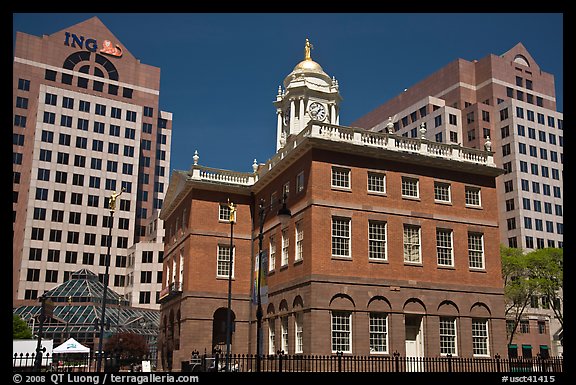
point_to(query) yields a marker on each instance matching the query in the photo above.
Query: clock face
(317, 111)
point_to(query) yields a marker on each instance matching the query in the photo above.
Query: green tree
(547, 269)
(20, 329)
(539, 272)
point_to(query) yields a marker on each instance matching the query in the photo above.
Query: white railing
(391, 142)
(222, 176)
(355, 136)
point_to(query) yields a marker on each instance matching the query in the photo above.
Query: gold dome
(308, 65)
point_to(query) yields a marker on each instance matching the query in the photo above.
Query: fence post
(280, 355)
(497, 357)
(449, 356)
(339, 355)
(396, 356)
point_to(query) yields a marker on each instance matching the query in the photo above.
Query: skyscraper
(87, 123)
(509, 101)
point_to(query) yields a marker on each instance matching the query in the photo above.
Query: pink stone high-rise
(86, 123)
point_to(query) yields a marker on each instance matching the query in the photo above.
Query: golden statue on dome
(307, 49)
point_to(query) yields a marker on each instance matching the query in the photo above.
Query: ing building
(392, 245)
(509, 99)
(86, 124)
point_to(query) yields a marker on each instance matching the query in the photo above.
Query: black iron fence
(24, 362)
(283, 363)
(394, 363)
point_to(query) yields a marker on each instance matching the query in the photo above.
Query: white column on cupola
(337, 115)
(278, 127)
(292, 117)
(301, 119)
(333, 114)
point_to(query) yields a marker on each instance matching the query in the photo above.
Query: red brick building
(392, 245)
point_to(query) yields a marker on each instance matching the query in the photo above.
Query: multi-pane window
(448, 336)
(271, 336)
(376, 182)
(377, 240)
(524, 326)
(378, 333)
(223, 262)
(224, 213)
(300, 182)
(272, 256)
(472, 196)
(21, 102)
(480, 337)
(442, 192)
(341, 332)
(340, 177)
(284, 333)
(285, 244)
(409, 187)
(411, 240)
(341, 237)
(299, 332)
(299, 241)
(476, 250)
(444, 247)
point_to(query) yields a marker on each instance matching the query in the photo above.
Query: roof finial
(307, 49)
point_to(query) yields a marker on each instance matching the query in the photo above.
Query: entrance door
(414, 342)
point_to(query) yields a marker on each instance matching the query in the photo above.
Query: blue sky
(220, 72)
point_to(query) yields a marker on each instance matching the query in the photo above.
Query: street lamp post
(112, 207)
(232, 219)
(67, 317)
(284, 214)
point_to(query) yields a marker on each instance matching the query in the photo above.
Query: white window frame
(181, 273)
(480, 337)
(299, 242)
(473, 196)
(448, 336)
(372, 176)
(271, 336)
(285, 247)
(377, 241)
(409, 243)
(410, 187)
(444, 247)
(300, 182)
(220, 261)
(284, 333)
(341, 331)
(340, 178)
(378, 333)
(272, 256)
(476, 251)
(439, 192)
(298, 333)
(224, 213)
(342, 235)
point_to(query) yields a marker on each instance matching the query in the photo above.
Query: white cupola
(308, 94)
